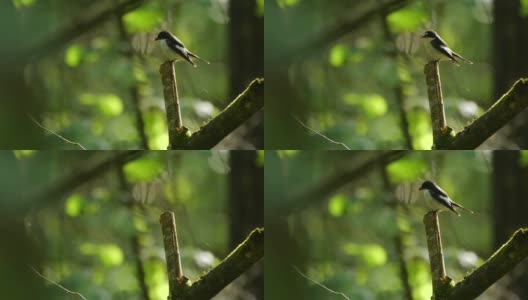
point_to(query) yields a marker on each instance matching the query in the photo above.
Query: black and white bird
(437, 199)
(438, 50)
(174, 49)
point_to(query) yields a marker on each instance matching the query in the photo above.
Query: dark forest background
(352, 221)
(353, 70)
(88, 71)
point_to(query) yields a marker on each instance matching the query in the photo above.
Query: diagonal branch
(62, 186)
(502, 112)
(235, 114)
(500, 263)
(59, 40)
(329, 185)
(334, 34)
(236, 263)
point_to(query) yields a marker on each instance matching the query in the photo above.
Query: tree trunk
(509, 208)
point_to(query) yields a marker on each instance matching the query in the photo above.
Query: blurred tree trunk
(510, 45)
(509, 209)
(246, 57)
(17, 131)
(246, 208)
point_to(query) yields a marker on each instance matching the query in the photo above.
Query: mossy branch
(237, 262)
(500, 263)
(503, 111)
(474, 284)
(476, 133)
(235, 114)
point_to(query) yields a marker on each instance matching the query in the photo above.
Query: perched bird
(437, 199)
(174, 49)
(439, 50)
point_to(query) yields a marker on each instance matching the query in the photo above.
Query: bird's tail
(197, 57)
(461, 58)
(460, 206)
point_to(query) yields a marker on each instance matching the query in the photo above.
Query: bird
(439, 49)
(437, 199)
(173, 48)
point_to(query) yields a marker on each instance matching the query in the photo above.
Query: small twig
(56, 284)
(320, 134)
(320, 284)
(56, 134)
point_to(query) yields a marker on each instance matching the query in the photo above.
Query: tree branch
(65, 185)
(503, 111)
(237, 262)
(235, 114)
(332, 35)
(177, 133)
(436, 104)
(329, 185)
(177, 282)
(70, 32)
(500, 263)
(436, 254)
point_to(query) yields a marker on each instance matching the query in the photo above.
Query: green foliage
(524, 158)
(337, 205)
(524, 7)
(286, 3)
(108, 104)
(143, 19)
(407, 169)
(371, 254)
(143, 169)
(409, 18)
(374, 105)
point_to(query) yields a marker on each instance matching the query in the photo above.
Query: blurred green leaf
(407, 169)
(73, 205)
(284, 3)
(410, 18)
(109, 254)
(338, 55)
(19, 3)
(372, 254)
(260, 7)
(337, 205)
(108, 104)
(73, 55)
(524, 158)
(374, 105)
(524, 8)
(143, 169)
(143, 19)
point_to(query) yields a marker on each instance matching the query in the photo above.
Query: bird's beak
(157, 38)
(421, 188)
(424, 35)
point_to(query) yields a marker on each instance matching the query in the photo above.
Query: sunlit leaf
(338, 55)
(337, 205)
(143, 19)
(108, 104)
(407, 19)
(73, 205)
(524, 158)
(19, 3)
(143, 169)
(284, 3)
(73, 55)
(260, 7)
(374, 105)
(407, 169)
(524, 7)
(372, 254)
